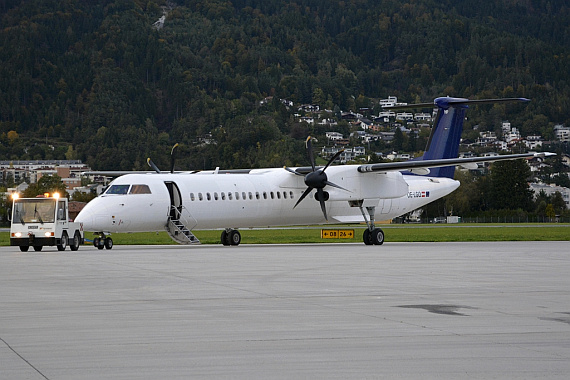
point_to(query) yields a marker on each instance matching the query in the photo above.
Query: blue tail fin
(447, 128)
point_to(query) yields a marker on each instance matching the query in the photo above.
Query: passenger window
(243, 196)
(200, 196)
(223, 196)
(192, 197)
(250, 195)
(140, 189)
(208, 196)
(291, 194)
(278, 195)
(264, 195)
(272, 195)
(256, 195)
(215, 196)
(230, 196)
(284, 195)
(237, 196)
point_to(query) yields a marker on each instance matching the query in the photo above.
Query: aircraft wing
(420, 166)
(118, 173)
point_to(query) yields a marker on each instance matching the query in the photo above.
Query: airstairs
(178, 230)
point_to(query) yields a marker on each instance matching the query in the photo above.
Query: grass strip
(393, 233)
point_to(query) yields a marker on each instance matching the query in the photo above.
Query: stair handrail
(179, 215)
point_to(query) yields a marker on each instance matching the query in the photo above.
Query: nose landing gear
(102, 241)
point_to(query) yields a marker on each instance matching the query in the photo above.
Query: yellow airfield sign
(337, 234)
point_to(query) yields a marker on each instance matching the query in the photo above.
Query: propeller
(172, 159)
(152, 165)
(317, 179)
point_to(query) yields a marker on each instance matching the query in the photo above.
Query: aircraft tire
(225, 238)
(63, 242)
(377, 236)
(24, 248)
(38, 248)
(367, 237)
(235, 237)
(99, 242)
(108, 243)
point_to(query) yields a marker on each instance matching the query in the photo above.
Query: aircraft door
(177, 209)
(175, 200)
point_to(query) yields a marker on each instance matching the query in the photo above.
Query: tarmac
(335, 311)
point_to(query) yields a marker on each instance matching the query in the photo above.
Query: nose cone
(87, 216)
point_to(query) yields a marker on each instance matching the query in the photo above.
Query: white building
(334, 136)
(562, 133)
(550, 190)
(422, 116)
(390, 102)
(387, 114)
(404, 116)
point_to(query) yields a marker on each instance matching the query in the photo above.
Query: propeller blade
(152, 165)
(336, 155)
(337, 186)
(321, 195)
(309, 146)
(292, 171)
(172, 158)
(303, 196)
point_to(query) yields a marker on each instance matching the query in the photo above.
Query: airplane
(180, 202)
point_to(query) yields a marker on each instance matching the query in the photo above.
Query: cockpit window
(140, 189)
(118, 189)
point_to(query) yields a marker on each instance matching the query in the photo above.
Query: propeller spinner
(317, 179)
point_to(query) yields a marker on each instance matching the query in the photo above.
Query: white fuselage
(258, 198)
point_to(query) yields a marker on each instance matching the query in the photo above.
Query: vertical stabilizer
(445, 135)
(447, 128)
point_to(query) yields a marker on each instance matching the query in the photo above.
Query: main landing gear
(371, 235)
(102, 241)
(230, 237)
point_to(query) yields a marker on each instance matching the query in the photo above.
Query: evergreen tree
(509, 187)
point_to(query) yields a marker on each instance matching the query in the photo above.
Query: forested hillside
(98, 81)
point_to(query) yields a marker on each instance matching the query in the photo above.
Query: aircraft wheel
(235, 237)
(367, 237)
(24, 248)
(108, 243)
(225, 238)
(74, 245)
(99, 242)
(377, 236)
(63, 242)
(38, 248)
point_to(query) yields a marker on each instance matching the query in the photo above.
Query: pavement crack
(23, 358)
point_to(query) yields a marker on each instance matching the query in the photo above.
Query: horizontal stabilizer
(415, 165)
(446, 102)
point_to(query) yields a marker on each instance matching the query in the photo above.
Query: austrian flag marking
(418, 194)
